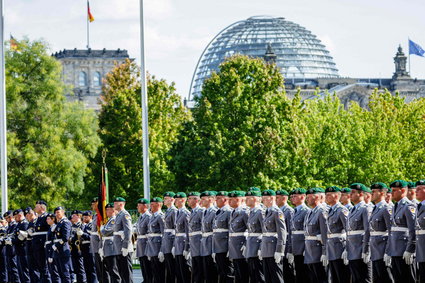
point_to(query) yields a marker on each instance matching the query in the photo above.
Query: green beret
(110, 205)
(282, 193)
(390, 190)
(222, 193)
(398, 184)
(346, 190)
(313, 191)
(254, 189)
(411, 185)
(157, 199)
(169, 194)
(253, 193)
(143, 201)
(333, 189)
(193, 194)
(208, 194)
(360, 187)
(420, 183)
(235, 194)
(180, 195)
(214, 192)
(119, 199)
(298, 191)
(378, 186)
(268, 193)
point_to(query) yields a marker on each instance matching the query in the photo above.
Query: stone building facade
(84, 71)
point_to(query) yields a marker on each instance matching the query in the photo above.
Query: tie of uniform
(395, 207)
(419, 206)
(205, 212)
(218, 211)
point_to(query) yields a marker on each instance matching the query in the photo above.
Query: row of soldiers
(356, 234)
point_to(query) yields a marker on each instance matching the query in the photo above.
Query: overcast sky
(362, 35)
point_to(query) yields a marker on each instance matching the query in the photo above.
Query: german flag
(102, 196)
(89, 15)
(13, 44)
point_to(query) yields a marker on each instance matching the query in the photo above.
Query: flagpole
(88, 26)
(3, 137)
(145, 129)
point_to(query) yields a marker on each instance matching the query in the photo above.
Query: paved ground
(137, 276)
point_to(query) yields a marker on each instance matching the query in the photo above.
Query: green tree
(120, 124)
(50, 141)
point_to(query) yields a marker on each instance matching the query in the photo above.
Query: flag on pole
(102, 196)
(13, 43)
(89, 15)
(415, 49)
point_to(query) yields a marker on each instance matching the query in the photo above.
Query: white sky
(362, 35)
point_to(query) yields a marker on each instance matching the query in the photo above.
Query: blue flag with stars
(415, 49)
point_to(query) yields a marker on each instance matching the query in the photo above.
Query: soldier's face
(281, 200)
(19, 217)
(75, 218)
(59, 213)
(250, 201)
(355, 196)
(411, 193)
(398, 193)
(86, 219)
(110, 211)
(180, 202)
(420, 193)
(221, 201)
(168, 201)
(267, 200)
(345, 197)
(94, 206)
(193, 201)
(141, 207)
(389, 197)
(332, 198)
(118, 205)
(376, 195)
(156, 206)
(50, 221)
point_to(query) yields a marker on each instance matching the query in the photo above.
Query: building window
(82, 79)
(97, 79)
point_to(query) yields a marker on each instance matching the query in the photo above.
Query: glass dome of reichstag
(299, 53)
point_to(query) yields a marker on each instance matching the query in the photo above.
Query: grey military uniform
(221, 230)
(274, 232)
(169, 230)
(297, 230)
(107, 244)
(155, 230)
(420, 233)
(288, 213)
(315, 235)
(123, 224)
(207, 230)
(181, 241)
(402, 235)
(358, 231)
(337, 221)
(195, 231)
(349, 206)
(380, 225)
(255, 223)
(237, 231)
(94, 237)
(142, 234)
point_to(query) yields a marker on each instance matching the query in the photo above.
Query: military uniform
(273, 243)
(62, 252)
(123, 244)
(76, 254)
(51, 262)
(88, 256)
(298, 241)
(155, 232)
(38, 240)
(168, 242)
(12, 260)
(253, 243)
(402, 240)
(420, 239)
(33, 271)
(288, 268)
(181, 243)
(19, 241)
(210, 271)
(195, 236)
(315, 242)
(3, 259)
(108, 250)
(95, 245)
(336, 243)
(141, 246)
(237, 241)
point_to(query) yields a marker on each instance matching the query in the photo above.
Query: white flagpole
(3, 138)
(145, 129)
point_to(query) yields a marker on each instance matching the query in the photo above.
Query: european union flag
(415, 49)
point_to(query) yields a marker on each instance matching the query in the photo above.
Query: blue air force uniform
(52, 262)
(88, 257)
(62, 252)
(12, 260)
(19, 241)
(76, 252)
(38, 240)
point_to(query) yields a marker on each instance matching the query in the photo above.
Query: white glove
(50, 260)
(408, 257)
(61, 242)
(149, 258)
(23, 233)
(259, 255)
(8, 242)
(21, 237)
(324, 260)
(121, 234)
(54, 247)
(278, 257)
(387, 260)
(30, 231)
(161, 256)
(188, 257)
(243, 250)
(185, 254)
(213, 256)
(124, 252)
(344, 257)
(101, 253)
(366, 257)
(290, 258)
(173, 251)
(80, 232)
